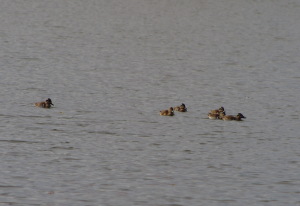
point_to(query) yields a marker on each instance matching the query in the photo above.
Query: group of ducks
(213, 114)
(221, 114)
(170, 112)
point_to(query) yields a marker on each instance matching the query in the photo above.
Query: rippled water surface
(111, 66)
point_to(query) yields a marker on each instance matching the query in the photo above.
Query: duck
(216, 116)
(222, 115)
(217, 111)
(169, 112)
(238, 117)
(213, 116)
(180, 108)
(45, 104)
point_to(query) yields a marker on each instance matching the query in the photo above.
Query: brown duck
(181, 108)
(217, 111)
(238, 117)
(169, 112)
(45, 104)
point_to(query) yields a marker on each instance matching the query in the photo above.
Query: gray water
(111, 66)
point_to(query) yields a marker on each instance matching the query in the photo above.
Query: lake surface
(111, 66)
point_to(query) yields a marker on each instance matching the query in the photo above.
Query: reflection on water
(110, 67)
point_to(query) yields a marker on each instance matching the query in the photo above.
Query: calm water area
(110, 66)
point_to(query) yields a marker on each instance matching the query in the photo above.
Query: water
(111, 66)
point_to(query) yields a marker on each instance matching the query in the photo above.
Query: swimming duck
(238, 117)
(213, 116)
(46, 104)
(181, 108)
(217, 111)
(169, 112)
(216, 116)
(222, 115)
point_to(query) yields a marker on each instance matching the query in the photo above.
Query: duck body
(169, 112)
(217, 111)
(45, 104)
(222, 115)
(181, 108)
(238, 117)
(216, 116)
(213, 116)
